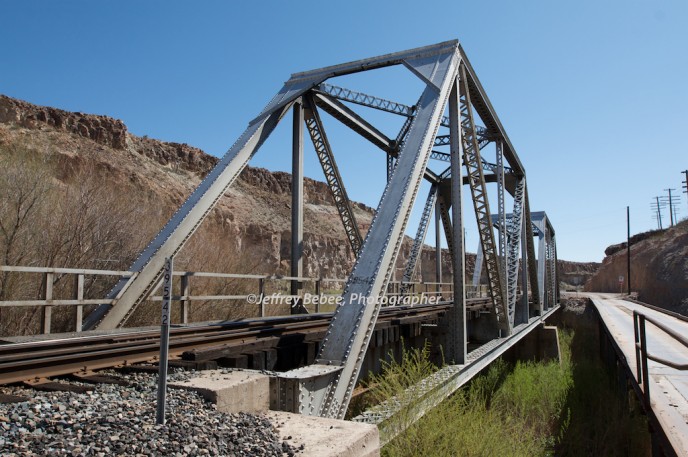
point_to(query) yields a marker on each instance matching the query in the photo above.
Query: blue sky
(592, 93)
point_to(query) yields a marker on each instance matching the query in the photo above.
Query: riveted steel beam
(332, 175)
(352, 120)
(481, 205)
(514, 241)
(532, 262)
(418, 241)
(347, 337)
(128, 293)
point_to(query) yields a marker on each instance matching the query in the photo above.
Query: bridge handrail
(642, 355)
(46, 301)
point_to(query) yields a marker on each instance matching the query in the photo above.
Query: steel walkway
(668, 386)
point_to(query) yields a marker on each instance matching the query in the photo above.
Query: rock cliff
(251, 222)
(659, 268)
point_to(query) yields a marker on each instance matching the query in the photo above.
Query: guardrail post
(636, 336)
(47, 296)
(261, 294)
(317, 294)
(185, 302)
(164, 340)
(643, 350)
(78, 295)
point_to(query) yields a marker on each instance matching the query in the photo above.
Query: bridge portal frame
(325, 388)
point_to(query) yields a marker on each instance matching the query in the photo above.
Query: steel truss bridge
(506, 249)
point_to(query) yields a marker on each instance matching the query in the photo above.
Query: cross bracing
(449, 81)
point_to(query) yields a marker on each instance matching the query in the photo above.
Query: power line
(685, 183)
(656, 207)
(672, 202)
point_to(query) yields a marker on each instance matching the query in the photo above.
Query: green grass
(604, 417)
(566, 407)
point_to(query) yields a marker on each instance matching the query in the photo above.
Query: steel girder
(417, 247)
(370, 101)
(547, 269)
(352, 120)
(130, 292)
(514, 242)
(325, 388)
(332, 175)
(399, 142)
(481, 204)
(444, 203)
(389, 106)
(346, 341)
(532, 263)
(502, 227)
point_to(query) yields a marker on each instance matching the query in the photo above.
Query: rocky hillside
(659, 268)
(576, 274)
(252, 221)
(251, 224)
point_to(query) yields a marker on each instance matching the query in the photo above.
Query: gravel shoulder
(120, 420)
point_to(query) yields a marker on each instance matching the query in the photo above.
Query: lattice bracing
(481, 205)
(419, 239)
(514, 242)
(332, 175)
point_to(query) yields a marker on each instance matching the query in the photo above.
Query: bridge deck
(668, 386)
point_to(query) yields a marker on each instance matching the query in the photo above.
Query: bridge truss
(450, 84)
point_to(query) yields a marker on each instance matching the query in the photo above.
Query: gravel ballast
(120, 420)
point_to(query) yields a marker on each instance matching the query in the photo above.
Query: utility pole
(685, 183)
(628, 247)
(671, 207)
(657, 208)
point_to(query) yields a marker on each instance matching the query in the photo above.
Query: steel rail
(25, 361)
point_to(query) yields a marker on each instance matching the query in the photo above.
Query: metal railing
(642, 355)
(184, 296)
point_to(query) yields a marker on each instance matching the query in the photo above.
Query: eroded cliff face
(576, 273)
(251, 223)
(659, 268)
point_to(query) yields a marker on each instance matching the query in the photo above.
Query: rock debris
(120, 420)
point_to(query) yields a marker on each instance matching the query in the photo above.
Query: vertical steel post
(456, 316)
(628, 247)
(47, 315)
(185, 302)
(542, 267)
(503, 256)
(79, 295)
(525, 312)
(164, 341)
(636, 337)
(261, 296)
(643, 351)
(438, 246)
(297, 202)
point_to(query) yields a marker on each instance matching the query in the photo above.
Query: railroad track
(85, 354)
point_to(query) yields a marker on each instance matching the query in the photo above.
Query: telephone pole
(657, 209)
(628, 247)
(671, 207)
(685, 183)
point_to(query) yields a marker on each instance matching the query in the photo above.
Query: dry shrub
(81, 222)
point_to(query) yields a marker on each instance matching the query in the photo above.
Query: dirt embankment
(252, 220)
(659, 268)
